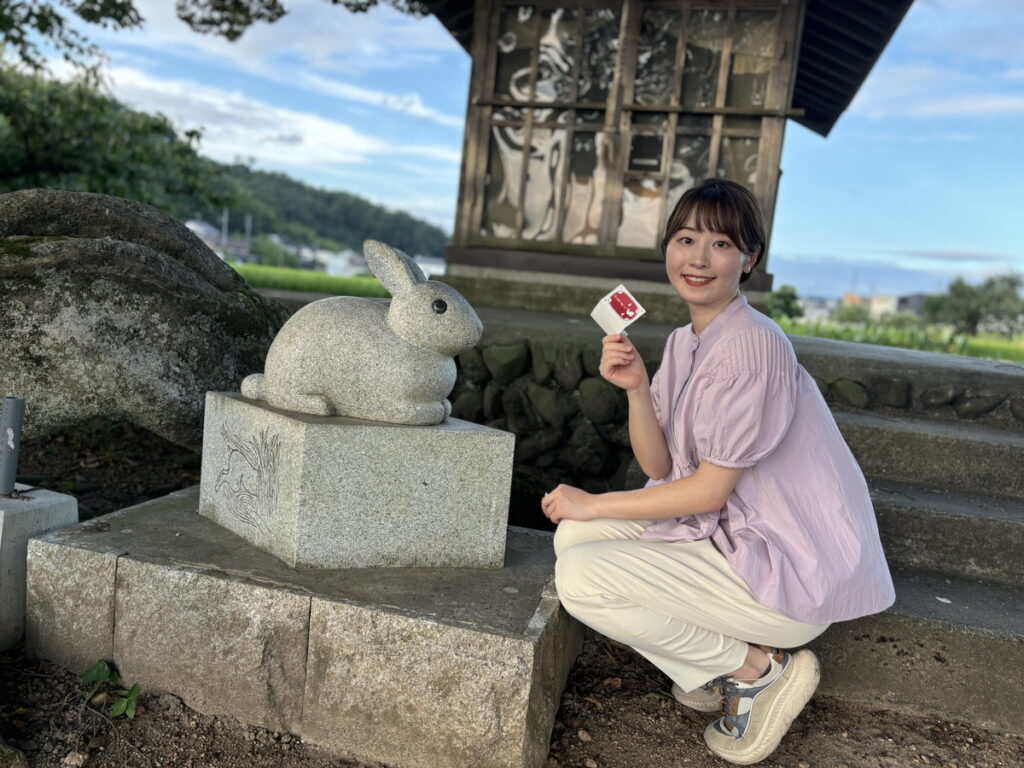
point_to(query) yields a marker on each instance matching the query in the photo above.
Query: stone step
(949, 647)
(960, 534)
(969, 458)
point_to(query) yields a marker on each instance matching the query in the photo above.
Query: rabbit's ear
(396, 271)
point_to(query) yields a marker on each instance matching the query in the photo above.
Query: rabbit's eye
(440, 307)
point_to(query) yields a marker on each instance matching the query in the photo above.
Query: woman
(755, 531)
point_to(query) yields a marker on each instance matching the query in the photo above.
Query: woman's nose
(700, 256)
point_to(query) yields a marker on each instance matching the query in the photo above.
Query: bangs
(715, 215)
(717, 205)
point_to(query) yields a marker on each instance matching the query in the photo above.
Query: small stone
(506, 361)
(584, 735)
(469, 406)
(492, 401)
(586, 452)
(74, 760)
(568, 368)
(850, 392)
(803, 765)
(591, 763)
(522, 416)
(554, 407)
(618, 435)
(1017, 408)
(11, 757)
(973, 406)
(938, 396)
(541, 356)
(591, 358)
(600, 401)
(472, 367)
(535, 443)
(890, 392)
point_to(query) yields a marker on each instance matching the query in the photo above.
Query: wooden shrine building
(587, 119)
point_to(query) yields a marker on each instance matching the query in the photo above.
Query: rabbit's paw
(447, 408)
(308, 402)
(252, 387)
(427, 414)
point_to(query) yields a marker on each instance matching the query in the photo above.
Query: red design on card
(623, 304)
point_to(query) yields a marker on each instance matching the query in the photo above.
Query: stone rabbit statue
(348, 356)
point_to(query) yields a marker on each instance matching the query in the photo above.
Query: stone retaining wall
(571, 425)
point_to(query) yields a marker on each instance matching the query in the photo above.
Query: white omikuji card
(617, 310)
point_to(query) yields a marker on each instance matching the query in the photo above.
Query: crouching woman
(755, 531)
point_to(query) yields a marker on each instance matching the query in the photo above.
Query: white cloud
(923, 91)
(408, 103)
(316, 46)
(234, 124)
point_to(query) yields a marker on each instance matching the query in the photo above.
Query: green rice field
(285, 279)
(929, 338)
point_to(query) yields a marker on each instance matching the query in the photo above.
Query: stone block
(69, 604)
(453, 667)
(223, 645)
(432, 693)
(335, 492)
(24, 514)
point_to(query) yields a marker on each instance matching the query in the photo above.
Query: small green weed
(122, 702)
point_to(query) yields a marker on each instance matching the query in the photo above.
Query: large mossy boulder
(115, 309)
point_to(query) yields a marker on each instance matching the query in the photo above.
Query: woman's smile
(697, 281)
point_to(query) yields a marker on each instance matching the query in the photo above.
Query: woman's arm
(622, 365)
(706, 490)
(645, 435)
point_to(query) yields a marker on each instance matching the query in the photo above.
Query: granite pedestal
(335, 492)
(24, 514)
(414, 667)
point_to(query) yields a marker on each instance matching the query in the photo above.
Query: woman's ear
(752, 260)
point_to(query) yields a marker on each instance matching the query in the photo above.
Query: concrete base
(417, 667)
(29, 513)
(336, 492)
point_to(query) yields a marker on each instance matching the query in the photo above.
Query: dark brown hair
(717, 205)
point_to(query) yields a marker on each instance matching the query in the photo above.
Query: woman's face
(704, 267)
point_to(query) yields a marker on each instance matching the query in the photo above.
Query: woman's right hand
(621, 364)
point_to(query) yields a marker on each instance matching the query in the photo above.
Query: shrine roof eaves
(841, 41)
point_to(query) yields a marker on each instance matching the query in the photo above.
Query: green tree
(269, 252)
(784, 303)
(996, 302)
(851, 313)
(22, 21)
(71, 136)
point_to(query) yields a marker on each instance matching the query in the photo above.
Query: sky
(920, 181)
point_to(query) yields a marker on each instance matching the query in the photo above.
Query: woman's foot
(758, 714)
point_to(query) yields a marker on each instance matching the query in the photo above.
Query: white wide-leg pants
(677, 603)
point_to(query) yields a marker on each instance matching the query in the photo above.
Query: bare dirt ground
(616, 711)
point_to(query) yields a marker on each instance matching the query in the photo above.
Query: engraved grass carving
(253, 503)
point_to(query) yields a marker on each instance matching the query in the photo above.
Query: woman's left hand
(568, 503)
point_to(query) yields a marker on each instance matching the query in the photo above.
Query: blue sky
(921, 180)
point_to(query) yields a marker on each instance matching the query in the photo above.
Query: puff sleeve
(748, 399)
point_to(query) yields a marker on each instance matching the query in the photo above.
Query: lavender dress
(799, 527)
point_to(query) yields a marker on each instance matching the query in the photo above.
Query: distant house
(209, 234)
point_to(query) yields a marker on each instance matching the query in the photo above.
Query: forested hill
(304, 214)
(51, 134)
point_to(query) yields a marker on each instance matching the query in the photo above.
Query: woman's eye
(723, 244)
